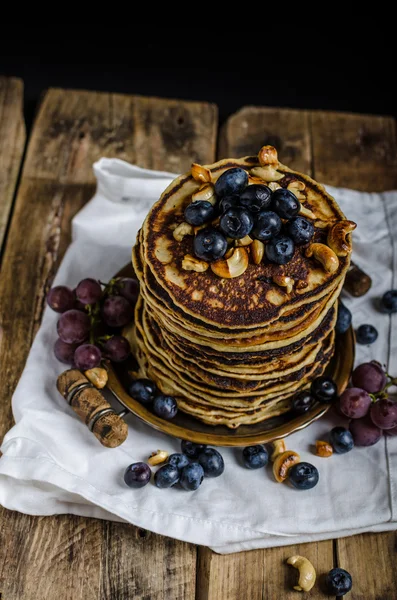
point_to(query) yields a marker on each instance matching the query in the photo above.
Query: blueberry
(302, 402)
(212, 462)
(236, 223)
(143, 390)
(324, 389)
(303, 476)
(341, 440)
(165, 407)
(228, 202)
(137, 475)
(366, 334)
(209, 244)
(344, 319)
(232, 181)
(338, 582)
(178, 460)
(192, 477)
(267, 225)
(191, 449)
(166, 476)
(200, 212)
(280, 250)
(255, 457)
(256, 197)
(389, 301)
(300, 230)
(285, 204)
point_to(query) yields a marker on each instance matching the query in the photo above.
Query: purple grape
(64, 352)
(369, 377)
(364, 432)
(117, 311)
(383, 414)
(129, 289)
(355, 403)
(73, 327)
(137, 475)
(60, 298)
(117, 348)
(88, 291)
(87, 357)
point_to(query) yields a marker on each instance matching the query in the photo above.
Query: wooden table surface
(44, 181)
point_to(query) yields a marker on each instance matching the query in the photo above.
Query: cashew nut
(181, 230)
(156, 458)
(257, 251)
(325, 255)
(234, 266)
(307, 573)
(306, 212)
(296, 187)
(267, 155)
(267, 173)
(273, 185)
(245, 241)
(282, 464)
(278, 447)
(97, 376)
(284, 281)
(254, 180)
(205, 192)
(200, 173)
(323, 449)
(337, 237)
(191, 263)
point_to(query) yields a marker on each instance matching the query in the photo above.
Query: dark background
(231, 74)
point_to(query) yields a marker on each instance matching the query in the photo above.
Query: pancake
(235, 347)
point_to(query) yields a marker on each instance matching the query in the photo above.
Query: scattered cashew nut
(156, 458)
(278, 447)
(306, 212)
(337, 237)
(234, 266)
(181, 230)
(325, 255)
(257, 251)
(200, 173)
(323, 449)
(282, 464)
(267, 173)
(97, 376)
(296, 187)
(191, 263)
(307, 573)
(267, 155)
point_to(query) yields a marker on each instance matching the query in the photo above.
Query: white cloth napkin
(52, 464)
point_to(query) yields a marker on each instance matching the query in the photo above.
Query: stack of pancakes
(235, 350)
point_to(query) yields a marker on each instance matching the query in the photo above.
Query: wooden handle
(92, 408)
(357, 283)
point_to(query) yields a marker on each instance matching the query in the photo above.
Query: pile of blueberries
(187, 468)
(252, 210)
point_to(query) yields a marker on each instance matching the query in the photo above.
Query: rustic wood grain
(71, 131)
(230, 575)
(12, 143)
(360, 152)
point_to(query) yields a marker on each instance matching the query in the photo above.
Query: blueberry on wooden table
(209, 244)
(255, 457)
(338, 582)
(232, 181)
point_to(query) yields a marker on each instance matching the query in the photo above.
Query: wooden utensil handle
(92, 408)
(357, 283)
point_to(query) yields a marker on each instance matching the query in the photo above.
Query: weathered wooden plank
(73, 129)
(359, 152)
(263, 572)
(12, 143)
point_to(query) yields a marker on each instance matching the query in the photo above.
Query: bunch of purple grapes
(92, 315)
(368, 405)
